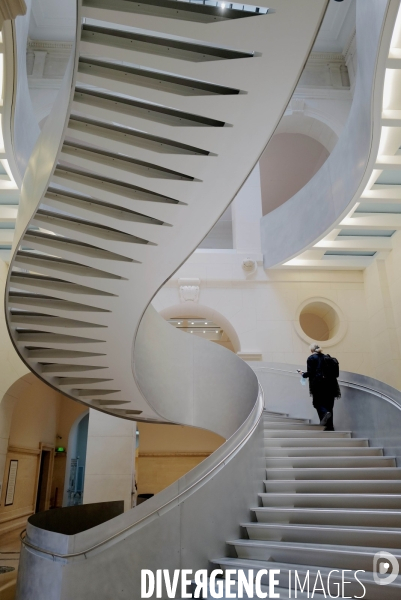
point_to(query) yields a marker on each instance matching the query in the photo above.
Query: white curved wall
(330, 194)
(288, 163)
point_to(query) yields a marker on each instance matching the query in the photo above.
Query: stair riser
(329, 462)
(332, 487)
(376, 539)
(306, 433)
(271, 419)
(338, 474)
(362, 501)
(351, 589)
(288, 425)
(316, 442)
(317, 557)
(316, 518)
(321, 452)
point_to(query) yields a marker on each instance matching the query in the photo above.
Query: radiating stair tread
(322, 451)
(314, 500)
(340, 473)
(333, 517)
(306, 442)
(367, 550)
(255, 525)
(328, 462)
(261, 564)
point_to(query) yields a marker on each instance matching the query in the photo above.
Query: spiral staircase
(165, 108)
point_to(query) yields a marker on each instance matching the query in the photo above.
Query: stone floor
(9, 557)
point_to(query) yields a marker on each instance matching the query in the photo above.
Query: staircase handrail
(230, 447)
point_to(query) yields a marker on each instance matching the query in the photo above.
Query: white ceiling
(53, 20)
(337, 27)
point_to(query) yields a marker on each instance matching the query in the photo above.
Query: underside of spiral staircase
(166, 107)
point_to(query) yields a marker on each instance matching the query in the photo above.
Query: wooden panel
(25, 489)
(157, 470)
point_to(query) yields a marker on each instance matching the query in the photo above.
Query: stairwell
(331, 502)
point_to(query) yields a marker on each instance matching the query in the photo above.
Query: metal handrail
(25, 542)
(352, 384)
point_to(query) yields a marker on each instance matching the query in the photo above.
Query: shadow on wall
(288, 163)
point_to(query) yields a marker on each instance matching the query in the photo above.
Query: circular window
(320, 320)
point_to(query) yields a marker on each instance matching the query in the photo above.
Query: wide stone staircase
(331, 502)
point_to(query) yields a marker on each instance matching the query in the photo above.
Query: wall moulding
(250, 356)
(189, 289)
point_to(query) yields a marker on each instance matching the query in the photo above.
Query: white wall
(263, 309)
(383, 297)
(110, 459)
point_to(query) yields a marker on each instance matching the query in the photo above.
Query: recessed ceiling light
(179, 322)
(191, 331)
(217, 331)
(192, 323)
(205, 322)
(204, 332)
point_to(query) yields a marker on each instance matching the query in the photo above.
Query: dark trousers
(323, 406)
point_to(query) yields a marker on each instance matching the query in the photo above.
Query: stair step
(307, 433)
(234, 590)
(274, 419)
(331, 451)
(274, 413)
(365, 501)
(373, 486)
(315, 442)
(364, 473)
(326, 516)
(324, 534)
(328, 462)
(290, 425)
(323, 555)
(352, 589)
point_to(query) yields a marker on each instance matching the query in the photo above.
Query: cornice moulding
(46, 84)
(323, 92)
(326, 57)
(49, 45)
(10, 9)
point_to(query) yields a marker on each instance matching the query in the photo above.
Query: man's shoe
(325, 418)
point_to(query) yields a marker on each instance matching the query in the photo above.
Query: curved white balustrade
(297, 225)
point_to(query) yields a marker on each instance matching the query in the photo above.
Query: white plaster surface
(110, 459)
